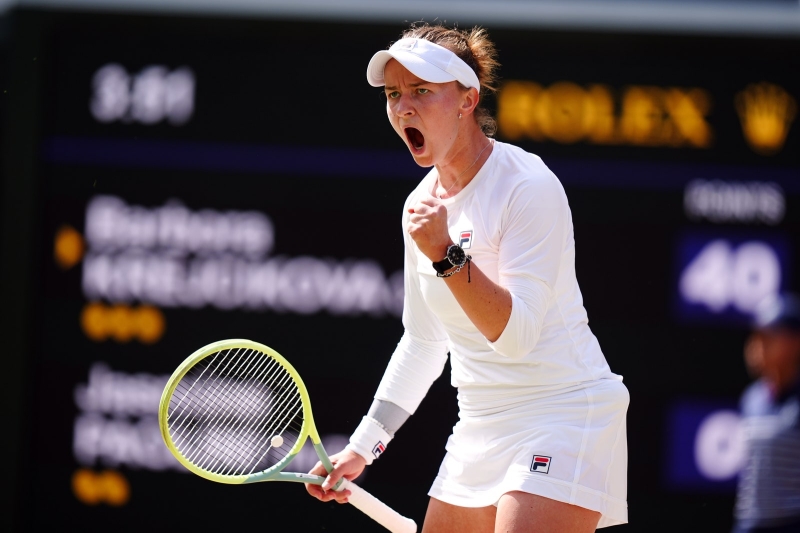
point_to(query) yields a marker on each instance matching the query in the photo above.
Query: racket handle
(377, 510)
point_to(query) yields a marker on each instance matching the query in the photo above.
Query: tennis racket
(237, 412)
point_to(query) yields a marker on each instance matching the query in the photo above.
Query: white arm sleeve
(415, 364)
(422, 351)
(536, 226)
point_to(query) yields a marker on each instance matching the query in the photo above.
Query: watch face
(456, 255)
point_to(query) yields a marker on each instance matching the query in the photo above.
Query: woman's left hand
(427, 225)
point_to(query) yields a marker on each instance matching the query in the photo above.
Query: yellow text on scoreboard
(637, 115)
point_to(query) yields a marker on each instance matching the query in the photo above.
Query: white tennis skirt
(564, 443)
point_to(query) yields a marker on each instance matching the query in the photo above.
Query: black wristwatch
(456, 257)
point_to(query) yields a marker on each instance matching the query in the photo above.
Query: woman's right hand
(346, 464)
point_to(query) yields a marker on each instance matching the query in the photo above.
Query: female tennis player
(490, 277)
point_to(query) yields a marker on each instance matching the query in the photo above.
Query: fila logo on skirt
(541, 464)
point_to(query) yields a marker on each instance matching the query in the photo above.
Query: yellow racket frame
(274, 473)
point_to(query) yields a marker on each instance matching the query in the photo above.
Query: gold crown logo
(766, 112)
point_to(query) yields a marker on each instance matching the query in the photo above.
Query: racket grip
(377, 510)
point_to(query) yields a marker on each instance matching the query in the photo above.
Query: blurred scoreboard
(170, 182)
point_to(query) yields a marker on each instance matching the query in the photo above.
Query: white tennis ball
(277, 441)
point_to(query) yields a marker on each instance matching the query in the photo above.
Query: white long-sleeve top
(514, 220)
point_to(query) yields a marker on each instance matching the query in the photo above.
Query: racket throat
(323, 456)
(294, 477)
(326, 462)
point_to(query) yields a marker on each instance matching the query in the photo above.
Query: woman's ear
(470, 101)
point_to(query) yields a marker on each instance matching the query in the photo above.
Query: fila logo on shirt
(465, 240)
(378, 449)
(541, 464)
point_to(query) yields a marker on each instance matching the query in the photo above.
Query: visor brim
(412, 62)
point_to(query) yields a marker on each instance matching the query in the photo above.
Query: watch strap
(457, 269)
(442, 266)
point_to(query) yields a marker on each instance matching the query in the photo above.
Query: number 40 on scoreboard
(724, 277)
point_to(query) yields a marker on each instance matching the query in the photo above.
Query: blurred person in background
(768, 497)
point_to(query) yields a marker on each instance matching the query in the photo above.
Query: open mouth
(415, 138)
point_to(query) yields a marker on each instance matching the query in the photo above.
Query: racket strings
(193, 406)
(203, 365)
(246, 436)
(197, 412)
(226, 410)
(210, 394)
(221, 423)
(222, 415)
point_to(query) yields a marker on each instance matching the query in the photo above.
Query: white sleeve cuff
(521, 332)
(369, 440)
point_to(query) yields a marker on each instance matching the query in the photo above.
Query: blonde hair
(476, 50)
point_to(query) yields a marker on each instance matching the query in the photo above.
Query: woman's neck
(459, 171)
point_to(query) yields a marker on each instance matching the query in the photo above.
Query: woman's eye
(394, 94)
(422, 91)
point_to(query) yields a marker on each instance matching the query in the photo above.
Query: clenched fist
(427, 225)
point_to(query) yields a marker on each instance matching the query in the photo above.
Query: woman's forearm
(486, 304)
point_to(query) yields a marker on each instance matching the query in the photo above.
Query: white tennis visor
(425, 60)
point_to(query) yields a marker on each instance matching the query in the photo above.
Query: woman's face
(424, 114)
